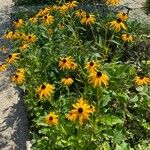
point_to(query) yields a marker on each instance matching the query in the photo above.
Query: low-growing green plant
(81, 92)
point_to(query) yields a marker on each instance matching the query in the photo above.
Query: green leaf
(135, 99)
(105, 100)
(111, 120)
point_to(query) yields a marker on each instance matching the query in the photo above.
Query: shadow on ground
(16, 120)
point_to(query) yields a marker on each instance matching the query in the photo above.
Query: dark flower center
(91, 63)
(43, 87)
(127, 35)
(80, 110)
(17, 21)
(45, 17)
(29, 37)
(118, 20)
(0, 65)
(123, 14)
(9, 56)
(20, 34)
(51, 118)
(87, 16)
(141, 77)
(99, 74)
(7, 32)
(64, 60)
(16, 76)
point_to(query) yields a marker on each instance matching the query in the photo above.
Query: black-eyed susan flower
(33, 20)
(117, 25)
(80, 13)
(45, 90)
(51, 119)
(19, 35)
(12, 57)
(21, 71)
(98, 78)
(73, 65)
(9, 35)
(123, 16)
(63, 9)
(81, 111)
(3, 48)
(127, 37)
(31, 38)
(88, 19)
(23, 47)
(18, 23)
(112, 2)
(72, 4)
(91, 66)
(3, 67)
(67, 81)
(65, 63)
(18, 78)
(47, 19)
(141, 80)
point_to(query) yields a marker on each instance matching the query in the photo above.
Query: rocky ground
(13, 119)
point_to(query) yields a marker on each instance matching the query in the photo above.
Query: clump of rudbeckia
(112, 2)
(67, 63)
(117, 25)
(88, 19)
(18, 23)
(19, 77)
(80, 13)
(23, 47)
(45, 90)
(63, 9)
(3, 67)
(141, 80)
(127, 37)
(123, 16)
(67, 81)
(51, 119)
(98, 78)
(91, 66)
(81, 111)
(12, 57)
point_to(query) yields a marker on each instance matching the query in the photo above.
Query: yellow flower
(123, 16)
(127, 38)
(61, 26)
(3, 67)
(72, 4)
(12, 58)
(63, 9)
(31, 38)
(142, 80)
(3, 48)
(45, 90)
(23, 47)
(98, 79)
(88, 20)
(81, 111)
(65, 63)
(18, 78)
(67, 81)
(91, 66)
(112, 2)
(50, 31)
(21, 71)
(80, 13)
(73, 65)
(117, 25)
(8, 35)
(19, 35)
(18, 23)
(47, 19)
(33, 20)
(51, 119)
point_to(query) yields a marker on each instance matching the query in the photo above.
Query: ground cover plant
(86, 85)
